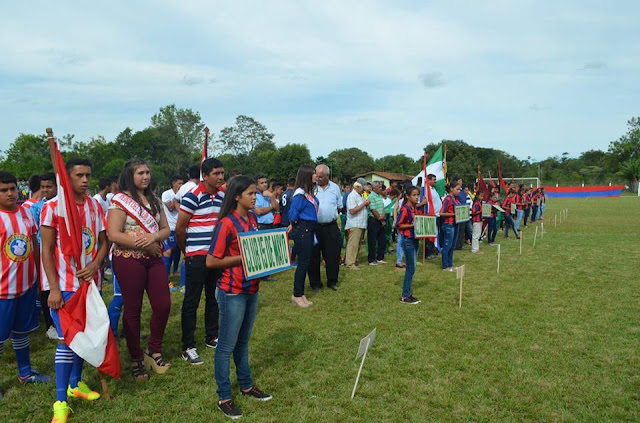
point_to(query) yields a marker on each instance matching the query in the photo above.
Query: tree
(349, 162)
(244, 137)
(627, 146)
(398, 163)
(182, 125)
(27, 155)
(630, 170)
(285, 161)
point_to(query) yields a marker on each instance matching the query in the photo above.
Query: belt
(333, 222)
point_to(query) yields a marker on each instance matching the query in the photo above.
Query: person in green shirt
(377, 220)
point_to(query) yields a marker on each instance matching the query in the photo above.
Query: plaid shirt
(359, 219)
(376, 204)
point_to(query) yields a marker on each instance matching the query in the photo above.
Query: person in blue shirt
(265, 205)
(303, 218)
(285, 203)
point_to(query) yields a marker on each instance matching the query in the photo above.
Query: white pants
(475, 240)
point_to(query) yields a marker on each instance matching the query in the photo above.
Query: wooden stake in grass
(555, 222)
(498, 259)
(541, 230)
(521, 242)
(365, 343)
(535, 236)
(460, 270)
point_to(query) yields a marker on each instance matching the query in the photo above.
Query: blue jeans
(237, 314)
(399, 248)
(492, 229)
(541, 210)
(519, 214)
(450, 234)
(509, 223)
(410, 247)
(534, 213)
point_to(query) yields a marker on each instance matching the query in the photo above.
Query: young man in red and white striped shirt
(18, 273)
(64, 280)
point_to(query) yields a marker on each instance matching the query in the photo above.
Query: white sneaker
(52, 333)
(373, 263)
(382, 262)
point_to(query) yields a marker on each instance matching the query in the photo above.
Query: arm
(296, 206)
(359, 207)
(48, 238)
(223, 263)
(88, 272)
(115, 229)
(181, 229)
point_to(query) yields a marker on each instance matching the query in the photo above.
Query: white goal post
(528, 182)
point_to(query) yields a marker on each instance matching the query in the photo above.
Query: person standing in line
(327, 231)
(63, 278)
(449, 225)
(518, 200)
(171, 252)
(194, 180)
(492, 226)
(266, 204)
(197, 219)
(34, 189)
(405, 223)
(303, 220)
(534, 205)
(18, 275)
(285, 203)
(508, 215)
(437, 206)
(375, 226)
(104, 185)
(462, 200)
(476, 218)
(356, 224)
(236, 296)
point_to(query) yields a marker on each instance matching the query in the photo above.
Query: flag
(437, 166)
(482, 186)
(503, 186)
(69, 225)
(493, 184)
(85, 325)
(205, 148)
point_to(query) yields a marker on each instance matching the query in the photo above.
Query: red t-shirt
(224, 244)
(506, 205)
(406, 217)
(449, 206)
(476, 208)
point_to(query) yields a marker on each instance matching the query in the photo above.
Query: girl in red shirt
(237, 297)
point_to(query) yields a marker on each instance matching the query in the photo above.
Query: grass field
(554, 337)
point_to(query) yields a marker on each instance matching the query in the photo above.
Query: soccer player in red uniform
(449, 226)
(237, 297)
(64, 280)
(18, 273)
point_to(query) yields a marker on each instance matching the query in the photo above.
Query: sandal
(157, 364)
(138, 371)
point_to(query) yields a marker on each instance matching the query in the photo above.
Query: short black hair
(177, 178)
(76, 161)
(103, 183)
(276, 184)
(210, 164)
(291, 182)
(194, 172)
(260, 176)
(49, 176)
(34, 183)
(7, 177)
(431, 176)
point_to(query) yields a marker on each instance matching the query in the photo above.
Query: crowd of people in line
(141, 237)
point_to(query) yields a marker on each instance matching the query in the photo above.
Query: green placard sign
(513, 208)
(486, 210)
(462, 214)
(425, 226)
(264, 252)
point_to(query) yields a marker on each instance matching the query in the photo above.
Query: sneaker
(373, 263)
(401, 265)
(82, 391)
(52, 333)
(409, 300)
(256, 393)
(60, 412)
(212, 343)
(229, 409)
(35, 377)
(382, 262)
(191, 356)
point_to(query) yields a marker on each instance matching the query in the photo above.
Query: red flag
(205, 146)
(85, 325)
(493, 184)
(503, 186)
(69, 224)
(482, 186)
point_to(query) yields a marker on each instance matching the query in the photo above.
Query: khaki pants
(353, 246)
(475, 240)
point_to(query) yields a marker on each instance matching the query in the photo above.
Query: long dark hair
(236, 186)
(125, 183)
(304, 178)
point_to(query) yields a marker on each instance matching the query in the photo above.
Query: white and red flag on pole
(84, 320)
(205, 149)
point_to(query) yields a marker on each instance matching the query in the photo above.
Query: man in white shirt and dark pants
(327, 232)
(171, 251)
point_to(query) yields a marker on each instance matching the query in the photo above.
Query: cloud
(537, 108)
(594, 66)
(431, 79)
(191, 81)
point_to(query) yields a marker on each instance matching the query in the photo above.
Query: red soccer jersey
(93, 223)
(506, 205)
(476, 208)
(406, 217)
(449, 206)
(518, 200)
(17, 267)
(224, 244)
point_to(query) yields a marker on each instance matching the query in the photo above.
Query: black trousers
(199, 277)
(302, 236)
(376, 238)
(329, 240)
(460, 239)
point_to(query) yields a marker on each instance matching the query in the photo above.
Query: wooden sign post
(535, 236)
(498, 259)
(521, 236)
(365, 343)
(460, 271)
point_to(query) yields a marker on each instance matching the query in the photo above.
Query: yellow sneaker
(82, 391)
(60, 412)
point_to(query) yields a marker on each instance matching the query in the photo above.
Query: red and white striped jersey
(18, 266)
(93, 223)
(30, 202)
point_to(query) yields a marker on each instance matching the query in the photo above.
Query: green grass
(554, 337)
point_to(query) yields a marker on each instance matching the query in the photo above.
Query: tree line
(173, 142)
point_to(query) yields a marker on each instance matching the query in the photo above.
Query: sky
(533, 78)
